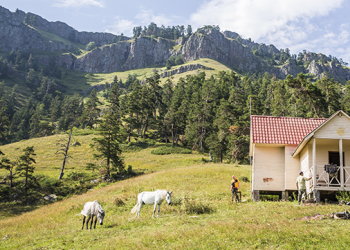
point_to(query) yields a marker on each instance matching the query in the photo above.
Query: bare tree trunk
(172, 133)
(66, 154)
(176, 139)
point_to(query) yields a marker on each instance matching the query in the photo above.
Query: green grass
(53, 37)
(49, 164)
(78, 81)
(202, 216)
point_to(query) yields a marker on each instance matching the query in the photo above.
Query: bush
(170, 150)
(343, 196)
(244, 179)
(193, 207)
(75, 176)
(90, 46)
(137, 146)
(118, 202)
(174, 60)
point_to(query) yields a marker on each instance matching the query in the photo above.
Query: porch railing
(324, 179)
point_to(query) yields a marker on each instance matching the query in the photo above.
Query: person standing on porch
(301, 186)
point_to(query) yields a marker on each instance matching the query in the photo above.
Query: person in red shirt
(234, 188)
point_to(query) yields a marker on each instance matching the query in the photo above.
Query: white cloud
(121, 26)
(147, 16)
(258, 18)
(143, 18)
(78, 3)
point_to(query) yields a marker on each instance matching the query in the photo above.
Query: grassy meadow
(201, 216)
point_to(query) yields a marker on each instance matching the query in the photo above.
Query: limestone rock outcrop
(30, 33)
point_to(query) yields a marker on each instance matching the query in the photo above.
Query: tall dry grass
(263, 225)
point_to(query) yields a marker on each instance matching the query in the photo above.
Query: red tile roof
(282, 130)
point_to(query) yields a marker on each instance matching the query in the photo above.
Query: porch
(324, 152)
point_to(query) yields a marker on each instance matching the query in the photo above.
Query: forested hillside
(45, 89)
(202, 114)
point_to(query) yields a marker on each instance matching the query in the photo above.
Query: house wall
(336, 128)
(305, 159)
(292, 167)
(268, 168)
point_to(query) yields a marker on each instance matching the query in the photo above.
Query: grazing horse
(91, 209)
(156, 198)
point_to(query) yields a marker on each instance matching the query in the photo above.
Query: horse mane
(162, 193)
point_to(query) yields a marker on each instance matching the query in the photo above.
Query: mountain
(33, 34)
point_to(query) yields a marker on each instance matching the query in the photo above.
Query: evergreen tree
(331, 90)
(219, 140)
(26, 168)
(111, 134)
(35, 122)
(91, 111)
(310, 93)
(8, 165)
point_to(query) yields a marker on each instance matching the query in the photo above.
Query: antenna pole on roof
(250, 158)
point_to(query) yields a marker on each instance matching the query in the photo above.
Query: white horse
(91, 209)
(156, 198)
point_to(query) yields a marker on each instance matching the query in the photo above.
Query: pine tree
(26, 168)
(345, 103)
(92, 110)
(132, 113)
(35, 122)
(8, 165)
(219, 140)
(111, 134)
(331, 90)
(310, 93)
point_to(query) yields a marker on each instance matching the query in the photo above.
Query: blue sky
(320, 26)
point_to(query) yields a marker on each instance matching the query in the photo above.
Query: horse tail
(135, 208)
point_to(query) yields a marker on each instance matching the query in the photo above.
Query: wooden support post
(256, 195)
(317, 196)
(341, 163)
(314, 163)
(285, 195)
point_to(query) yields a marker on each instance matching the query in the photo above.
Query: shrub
(343, 196)
(244, 179)
(103, 171)
(118, 202)
(176, 201)
(170, 150)
(137, 146)
(75, 176)
(174, 60)
(90, 46)
(193, 207)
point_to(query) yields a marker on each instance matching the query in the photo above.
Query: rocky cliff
(23, 31)
(15, 35)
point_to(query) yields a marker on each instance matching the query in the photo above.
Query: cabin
(281, 147)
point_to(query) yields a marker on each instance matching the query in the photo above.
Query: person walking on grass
(301, 186)
(234, 188)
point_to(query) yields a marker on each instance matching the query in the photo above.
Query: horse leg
(87, 222)
(139, 209)
(154, 210)
(158, 209)
(83, 223)
(92, 219)
(95, 222)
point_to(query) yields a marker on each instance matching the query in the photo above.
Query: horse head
(101, 215)
(168, 197)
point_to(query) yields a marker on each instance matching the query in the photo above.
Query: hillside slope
(201, 217)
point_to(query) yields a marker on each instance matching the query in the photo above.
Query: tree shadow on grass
(11, 209)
